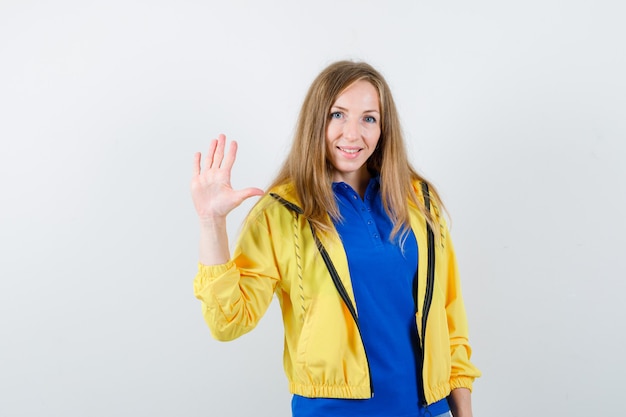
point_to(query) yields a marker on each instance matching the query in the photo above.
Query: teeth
(349, 150)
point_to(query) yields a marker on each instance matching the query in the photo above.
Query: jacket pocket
(330, 351)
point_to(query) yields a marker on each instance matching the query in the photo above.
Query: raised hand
(211, 191)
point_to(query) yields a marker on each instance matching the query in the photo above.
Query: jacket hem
(436, 393)
(330, 391)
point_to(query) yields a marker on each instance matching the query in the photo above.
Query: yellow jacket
(324, 354)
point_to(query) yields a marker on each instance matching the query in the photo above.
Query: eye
(370, 119)
(336, 115)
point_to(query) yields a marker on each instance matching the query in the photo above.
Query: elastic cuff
(210, 271)
(462, 382)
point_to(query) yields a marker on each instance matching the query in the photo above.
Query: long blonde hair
(310, 172)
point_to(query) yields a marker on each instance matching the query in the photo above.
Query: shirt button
(354, 196)
(369, 222)
(375, 235)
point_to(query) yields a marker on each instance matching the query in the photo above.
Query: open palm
(211, 191)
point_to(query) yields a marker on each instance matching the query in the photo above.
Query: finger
(208, 159)
(231, 155)
(219, 151)
(196, 164)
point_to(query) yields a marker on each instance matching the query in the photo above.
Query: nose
(351, 129)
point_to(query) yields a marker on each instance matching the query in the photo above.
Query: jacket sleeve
(463, 372)
(235, 295)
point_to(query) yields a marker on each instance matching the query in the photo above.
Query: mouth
(350, 151)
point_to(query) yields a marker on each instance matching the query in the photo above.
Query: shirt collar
(372, 186)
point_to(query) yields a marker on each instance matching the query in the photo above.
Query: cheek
(375, 136)
(332, 131)
(329, 139)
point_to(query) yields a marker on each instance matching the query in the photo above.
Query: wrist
(212, 222)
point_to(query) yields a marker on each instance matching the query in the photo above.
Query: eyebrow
(344, 109)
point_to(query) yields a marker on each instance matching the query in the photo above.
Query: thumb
(249, 192)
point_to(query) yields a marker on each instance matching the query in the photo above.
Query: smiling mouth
(349, 150)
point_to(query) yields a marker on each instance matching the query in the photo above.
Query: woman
(350, 239)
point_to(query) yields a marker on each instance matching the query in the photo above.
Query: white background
(515, 110)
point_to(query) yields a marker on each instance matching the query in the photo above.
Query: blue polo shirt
(382, 279)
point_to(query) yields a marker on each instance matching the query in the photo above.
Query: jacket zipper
(428, 297)
(344, 296)
(336, 281)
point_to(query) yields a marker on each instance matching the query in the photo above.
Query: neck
(357, 180)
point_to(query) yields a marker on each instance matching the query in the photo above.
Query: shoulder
(421, 188)
(275, 202)
(286, 191)
(429, 200)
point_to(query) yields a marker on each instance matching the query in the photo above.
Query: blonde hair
(310, 172)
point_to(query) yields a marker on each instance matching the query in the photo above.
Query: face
(353, 132)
